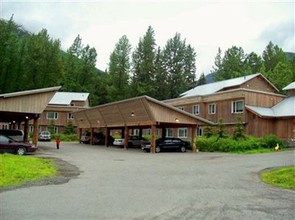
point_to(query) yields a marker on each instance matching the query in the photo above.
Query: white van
(17, 135)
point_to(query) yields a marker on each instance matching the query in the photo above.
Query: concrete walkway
(119, 184)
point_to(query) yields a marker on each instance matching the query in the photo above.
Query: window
(182, 132)
(212, 109)
(196, 109)
(70, 116)
(169, 132)
(237, 106)
(52, 115)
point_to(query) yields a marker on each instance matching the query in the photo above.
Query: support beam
(153, 139)
(80, 135)
(91, 135)
(126, 133)
(35, 133)
(26, 130)
(107, 135)
(193, 141)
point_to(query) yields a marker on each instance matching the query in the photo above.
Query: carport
(21, 107)
(140, 112)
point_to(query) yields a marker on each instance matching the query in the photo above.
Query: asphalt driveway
(119, 184)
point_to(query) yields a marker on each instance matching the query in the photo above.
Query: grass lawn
(281, 177)
(15, 170)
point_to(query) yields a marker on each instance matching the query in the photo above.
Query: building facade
(58, 113)
(238, 101)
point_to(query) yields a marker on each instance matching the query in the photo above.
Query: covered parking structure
(20, 107)
(137, 113)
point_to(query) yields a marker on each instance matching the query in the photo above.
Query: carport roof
(19, 106)
(137, 112)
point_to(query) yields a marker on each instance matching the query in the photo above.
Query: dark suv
(98, 138)
(168, 144)
(9, 145)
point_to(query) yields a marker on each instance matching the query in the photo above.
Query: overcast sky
(206, 25)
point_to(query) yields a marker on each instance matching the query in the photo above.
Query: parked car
(98, 138)
(168, 144)
(17, 135)
(44, 136)
(133, 141)
(10, 145)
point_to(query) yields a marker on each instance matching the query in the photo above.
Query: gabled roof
(65, 98)
(211, 88)
(285, 108)
(138, 111)
(30, 92)
(290, 86)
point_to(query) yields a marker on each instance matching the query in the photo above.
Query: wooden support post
(126, 133)
(35, 133)
(91, 135)
(153, 139)
(80, 134)
(106, 139)
(26, 130)
(194, 148)
(140, 132)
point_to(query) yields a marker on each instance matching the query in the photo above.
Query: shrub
(270, 141)
(65, 137)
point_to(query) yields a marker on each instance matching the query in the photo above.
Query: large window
(169, 132)
(212, 109)
(196, 109)
(52, 115)
(182, 132)
(238, 106)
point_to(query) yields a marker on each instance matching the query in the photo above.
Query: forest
(35, 60)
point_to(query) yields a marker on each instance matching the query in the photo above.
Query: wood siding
(33, 103)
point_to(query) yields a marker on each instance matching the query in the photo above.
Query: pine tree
(119, 67)
(179, 65)
(202, 80)
(143, 70)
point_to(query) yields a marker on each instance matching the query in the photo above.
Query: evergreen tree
(161, 78)
(178, 69)
(119, 67)
(254, 63)
(202, 80)
(272, 55)
(9, 44)
(281, 76)
(143, 59)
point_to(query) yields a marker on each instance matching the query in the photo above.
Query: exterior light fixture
(176, 120)
(27, 117)
(132, 114)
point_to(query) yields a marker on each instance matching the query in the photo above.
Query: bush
(65, 137)
(270, 141)
(226, 144)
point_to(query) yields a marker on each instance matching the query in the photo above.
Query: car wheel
(158, 149)
(21, 151)
(182, 148)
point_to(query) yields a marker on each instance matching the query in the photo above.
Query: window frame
(55, 116)
(234, 105)
(168, 133)
(182, 135)
(198, 109)
(210, 112)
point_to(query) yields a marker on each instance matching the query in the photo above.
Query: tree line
(32, 61)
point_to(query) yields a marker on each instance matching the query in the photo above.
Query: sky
(205, 25)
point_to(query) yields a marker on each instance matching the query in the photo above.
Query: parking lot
(114, 183)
